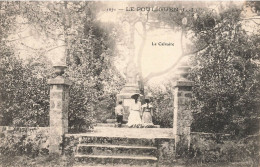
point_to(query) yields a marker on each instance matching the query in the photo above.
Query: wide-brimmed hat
(136, 95)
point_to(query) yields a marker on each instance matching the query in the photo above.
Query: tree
(20, 104)
(226, 76)
(89, 50)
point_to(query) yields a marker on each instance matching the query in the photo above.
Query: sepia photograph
(129, 83)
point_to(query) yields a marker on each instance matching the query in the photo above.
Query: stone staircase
(93, 150)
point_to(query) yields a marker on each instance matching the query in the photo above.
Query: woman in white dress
(134, 119)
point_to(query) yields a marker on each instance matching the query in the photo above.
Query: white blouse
(136, 106)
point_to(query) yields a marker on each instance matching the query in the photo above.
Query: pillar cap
(183, 83)
(59, 81)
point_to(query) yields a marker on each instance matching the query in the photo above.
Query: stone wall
(219, 137)
(24, 130)
(210, 147)
(210, 141)
(24, 140)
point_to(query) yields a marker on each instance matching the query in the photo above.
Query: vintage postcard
(129, 83)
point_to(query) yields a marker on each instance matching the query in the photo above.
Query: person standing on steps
(147, 113)
(134, 119)
(119, 110)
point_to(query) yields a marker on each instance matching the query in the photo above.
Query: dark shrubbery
(24, 93)
(162, 102)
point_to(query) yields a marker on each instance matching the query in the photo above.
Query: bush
(105, 108)
(24, 93)
(89, 101)
(163, 106)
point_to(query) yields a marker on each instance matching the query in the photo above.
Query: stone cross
(132, 86)
(131, 74)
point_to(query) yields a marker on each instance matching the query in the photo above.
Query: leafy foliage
(95, 79)
(163, 106)
(24, 92)
(226, 80)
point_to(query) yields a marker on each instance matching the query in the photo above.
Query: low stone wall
(219, 137)
(24, 130)
(24, 140)
(209, 147)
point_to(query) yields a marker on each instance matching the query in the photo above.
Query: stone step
(117, 165)
(114, 165)
(100, 149)
(117, 141)
(112, 159)
(123, 125)
(110, 125)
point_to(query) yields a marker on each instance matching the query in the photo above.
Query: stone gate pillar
(59, 100)
(182, 115)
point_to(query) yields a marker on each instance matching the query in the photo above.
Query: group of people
(140, 115)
